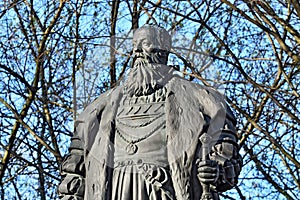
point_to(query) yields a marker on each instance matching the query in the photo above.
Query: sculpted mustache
(152, 57)
(141, 55)
(146, 59)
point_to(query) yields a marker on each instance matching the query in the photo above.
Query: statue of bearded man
(157, 136)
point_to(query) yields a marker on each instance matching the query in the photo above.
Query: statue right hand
(207, 171)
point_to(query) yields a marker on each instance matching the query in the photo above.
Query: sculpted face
(150, 54)
(152, 44)
(143, 43)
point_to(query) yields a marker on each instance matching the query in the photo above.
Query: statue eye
(135, 43)
(147, 43)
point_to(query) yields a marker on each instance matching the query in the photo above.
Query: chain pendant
(131, 148)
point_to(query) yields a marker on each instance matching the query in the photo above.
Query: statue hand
(208, 171)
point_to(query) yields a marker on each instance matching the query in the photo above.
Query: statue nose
(138, 50)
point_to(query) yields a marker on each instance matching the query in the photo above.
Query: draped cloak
(191, 110)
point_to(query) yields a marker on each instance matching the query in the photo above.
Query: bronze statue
(157, 136)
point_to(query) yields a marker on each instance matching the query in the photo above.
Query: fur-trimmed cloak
(190, 109)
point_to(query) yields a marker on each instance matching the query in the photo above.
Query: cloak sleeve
(225, 152)
(73, 171)
(77, 176)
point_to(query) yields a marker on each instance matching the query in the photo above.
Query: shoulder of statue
(99, 104)
(207, 98)
(179, 84)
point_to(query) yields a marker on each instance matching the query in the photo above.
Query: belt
(138, 162)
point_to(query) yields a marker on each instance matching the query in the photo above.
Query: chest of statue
(140, 132)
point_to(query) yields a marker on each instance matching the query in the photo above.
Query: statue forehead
(159, 37)
(145, 33)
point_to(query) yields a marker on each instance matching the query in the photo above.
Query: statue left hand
(208, 171)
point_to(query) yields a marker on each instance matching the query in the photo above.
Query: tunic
(140, 159)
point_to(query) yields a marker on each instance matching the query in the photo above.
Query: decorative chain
(140, 125)
(123, 135)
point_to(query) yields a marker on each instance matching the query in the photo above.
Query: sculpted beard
(142, 78)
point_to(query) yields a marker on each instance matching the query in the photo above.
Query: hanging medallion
(131, 148)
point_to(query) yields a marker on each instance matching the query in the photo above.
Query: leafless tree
(57, 56)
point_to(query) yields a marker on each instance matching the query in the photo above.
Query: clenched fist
(208, 171)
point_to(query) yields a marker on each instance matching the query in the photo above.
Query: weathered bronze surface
(157, 136)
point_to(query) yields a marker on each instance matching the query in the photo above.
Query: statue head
(151, 46)
(151, 43)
